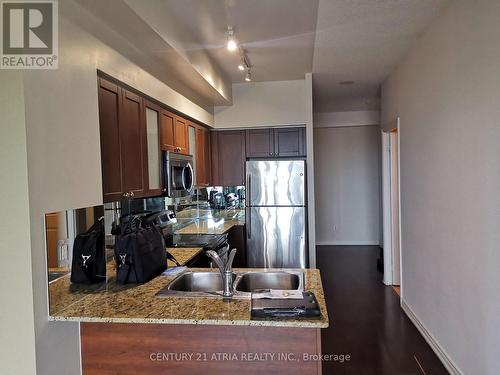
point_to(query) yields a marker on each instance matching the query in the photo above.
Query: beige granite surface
(183, 254)
(214, 224)
(137, 303)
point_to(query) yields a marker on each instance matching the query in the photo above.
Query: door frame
(387, 195)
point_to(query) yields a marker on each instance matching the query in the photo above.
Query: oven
(178, 175)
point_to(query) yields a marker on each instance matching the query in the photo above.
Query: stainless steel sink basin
(254, 282)
(194, 284)
(197, 282)
(209, 284)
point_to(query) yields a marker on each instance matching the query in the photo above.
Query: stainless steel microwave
(178, 174)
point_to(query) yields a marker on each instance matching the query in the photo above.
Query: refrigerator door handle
(249, 189)
(249, 222)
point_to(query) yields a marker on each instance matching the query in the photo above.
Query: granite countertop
(63, 293)
(137, 303)
(213, 224)
(183, 254)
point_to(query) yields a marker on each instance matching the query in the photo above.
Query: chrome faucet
(226, 271)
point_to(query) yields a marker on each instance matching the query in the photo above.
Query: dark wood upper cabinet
(208, 157)
(279, 142)
(109, 110)
(135, 129)
(153, 115)
(174, 133)
(259, 143)
(181, 139)
(228, 157)
(203, 175)
(214, 157)
(129, 142)
(167, 125)
(133, 145)
(290, 142)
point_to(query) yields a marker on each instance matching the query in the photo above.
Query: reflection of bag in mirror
(89, 260)
(139, 253)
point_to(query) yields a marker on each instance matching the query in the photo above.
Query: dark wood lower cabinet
(144, 349)
(236, 240)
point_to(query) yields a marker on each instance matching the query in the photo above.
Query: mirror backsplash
(63, 228)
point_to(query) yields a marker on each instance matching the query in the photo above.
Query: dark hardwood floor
(366, 320)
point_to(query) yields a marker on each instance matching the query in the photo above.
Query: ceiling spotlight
(241, 67)
(231, 41)
(248, 77)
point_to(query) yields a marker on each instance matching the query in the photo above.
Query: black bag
(140, 254)
(88, 265)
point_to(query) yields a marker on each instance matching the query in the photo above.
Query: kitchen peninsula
(126, 326)
(130, 328)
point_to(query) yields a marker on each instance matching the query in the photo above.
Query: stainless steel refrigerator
(276, 213)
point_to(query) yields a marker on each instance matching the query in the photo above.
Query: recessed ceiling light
(241, 67)
(346, 82)
(231, 41)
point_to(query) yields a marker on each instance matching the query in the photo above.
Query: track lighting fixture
(231, 43)
(248, 77)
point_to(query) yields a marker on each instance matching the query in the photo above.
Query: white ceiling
(361, 41)
(277, 35)
(338, 40)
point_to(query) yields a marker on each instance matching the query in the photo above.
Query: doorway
(391, 198)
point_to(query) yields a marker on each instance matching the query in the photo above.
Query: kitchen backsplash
(194, 207)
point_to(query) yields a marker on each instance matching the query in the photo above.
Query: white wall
(17, 335)
(264, 104)
(64, 162)
(352, 118)
(447, 93)
(311, 198)
(347, 183)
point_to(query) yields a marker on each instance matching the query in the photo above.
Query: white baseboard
(347, 243)
(433, 343)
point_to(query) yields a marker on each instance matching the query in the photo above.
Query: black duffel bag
(88, 265)
(140, 253)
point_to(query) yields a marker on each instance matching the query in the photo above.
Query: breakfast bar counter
(130, 331)
(138, 303)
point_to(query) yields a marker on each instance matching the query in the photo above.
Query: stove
(206, 241)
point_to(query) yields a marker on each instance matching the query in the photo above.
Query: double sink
(209, 284)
